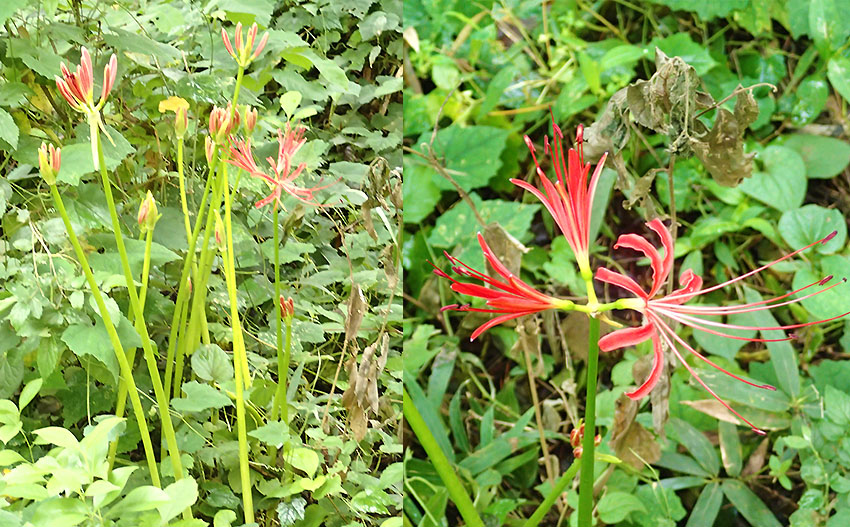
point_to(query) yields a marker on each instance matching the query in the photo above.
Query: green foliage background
(480, 76)
(344, 60)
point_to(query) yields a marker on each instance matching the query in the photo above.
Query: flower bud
(181, 122)
(148, 214)
(219, 233)
(287, 307)
(250, 119)
(577, 452)
(209, 148)
(49, 160)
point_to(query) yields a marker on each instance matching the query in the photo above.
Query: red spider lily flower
(289, 143)
(672, 307)
(570, 199)
(242, 54)
(222, 122)
(287, 307)
(78, 87)
(509, 298)
(49, 161)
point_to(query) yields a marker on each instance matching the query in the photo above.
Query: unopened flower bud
(49, 160)
(181, 122)
(575, 438)
(250, 120)
(219, 233)
(287, 307)
(577, 452)
(209, 148)
(148, 214)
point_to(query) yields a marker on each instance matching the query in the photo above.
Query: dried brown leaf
(356, 310)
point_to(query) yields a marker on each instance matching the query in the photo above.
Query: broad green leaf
(419, 182)
(275, 433)
(681, 45)
(470, 154)
(11, 375)
(133, 43)
(705, 10)
(828, 26)
(200, 397)
(838, 71)
(77, 157)
(289, 101)
(810, 100)
(830, 303)
(58, 436)
(495, 90)
(837, 405)
(824, 157)
(707, 506)
(60, 512)
(8, 8)
(696, 443)
(782, 183)
(748, 504)
(211, 363)
(9, 457)
(724, 346)
(304, 459)
(8, 129)
(730, 448)
(183, 494)
(614, 507)
(29, 392)
(224, 518)
(260, 9)
(142, 498)
(810, 223)
(85, 339)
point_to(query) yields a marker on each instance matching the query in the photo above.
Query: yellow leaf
(172, 103)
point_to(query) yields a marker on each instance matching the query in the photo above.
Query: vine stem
(240, 360)
(141, 328)
(124, 365)
(585, 489)
(280, 393)
(440, 462)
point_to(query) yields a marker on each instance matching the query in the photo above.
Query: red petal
(626, 337)
(654, 375)
(639, 243)
(620, 280)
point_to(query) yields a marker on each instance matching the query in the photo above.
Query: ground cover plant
(189, 335)
(664, 182)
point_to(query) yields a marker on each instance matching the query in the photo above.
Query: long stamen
(694, 323)
(758, 270)
(704, 385)
(716, 309)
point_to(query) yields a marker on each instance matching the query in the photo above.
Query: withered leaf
(632, 443)
(508, 249)
(356, 309)
(361, 396)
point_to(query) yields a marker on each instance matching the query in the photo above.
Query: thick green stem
(440, 463)
(282, 374)
(240, 361)
(121, 403)
(553, 495)
(585, 488)
(126, 369)
(141, 328)
(179, 333)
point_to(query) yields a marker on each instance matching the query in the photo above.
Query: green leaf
(200, 397)
(8, 8)
(616, 506)
(707, 506)
(697, 444)
(183, 494)
(824, 157)
(60, 512)
(418, 182)
(224, 518)
(470, 154)
(29, 392)
(782, 183)
(837, 406)
(9, 457)
(133, 43)
(85, 339)
(810, 100)
(58, 436)
(830, 303)
(838, 71)
(681, 45)
(495, 90)
(748, 504)
(828, 26)
(782, 354)
(275, 433)
(8, 129)
(77, 157)
(724, 346)
(11, 375)
(142, 498)
(304, 459)
(730, 448)
(260, 9)
(211, 363)
(810, 223)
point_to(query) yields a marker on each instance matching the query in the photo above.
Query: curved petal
(691, 284)
(491, 257)
(626, 337)
(654, 375)
(495, 322)
(606, 275)
(639, 243)
(667, 242)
